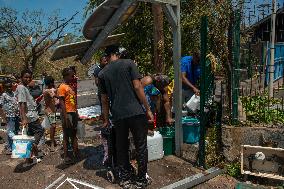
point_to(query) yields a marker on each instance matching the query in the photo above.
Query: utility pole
(272, 50)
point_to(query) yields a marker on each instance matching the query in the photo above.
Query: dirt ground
(221, 181)
(89, 169)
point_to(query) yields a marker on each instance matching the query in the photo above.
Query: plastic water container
(168, 134)
(22, 146)
(81, 132)
(155, 146)
(191, 130)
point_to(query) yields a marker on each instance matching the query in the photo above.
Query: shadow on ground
(94, 157)
(91, 155)
(20, 168)
(94, 160)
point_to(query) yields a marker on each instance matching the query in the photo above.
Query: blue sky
(67, 7)
(255, 7)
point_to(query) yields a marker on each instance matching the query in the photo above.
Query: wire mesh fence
(253, 103)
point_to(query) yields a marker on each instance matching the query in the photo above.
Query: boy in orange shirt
(67, 97)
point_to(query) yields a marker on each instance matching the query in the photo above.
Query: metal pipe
(272, 50)
(55, 182)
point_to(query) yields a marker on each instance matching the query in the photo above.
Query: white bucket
(22, 146)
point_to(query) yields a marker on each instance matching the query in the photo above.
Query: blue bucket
(191, 130)
(22, 146)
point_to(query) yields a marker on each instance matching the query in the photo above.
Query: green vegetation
(22, 34)
(139, 37)
(261, 109)
(214, 157)
(234, 169)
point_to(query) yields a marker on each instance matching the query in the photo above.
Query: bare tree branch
(22, 31)
(14, 39)
(63, 25)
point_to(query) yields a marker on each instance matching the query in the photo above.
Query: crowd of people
(129, 102)
(21, 105)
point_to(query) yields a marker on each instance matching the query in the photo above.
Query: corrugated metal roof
(79, 48)
(92, 28)
(101, 16)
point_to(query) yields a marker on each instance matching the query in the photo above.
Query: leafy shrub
(261, 109)
(234, 170)
(214, 155)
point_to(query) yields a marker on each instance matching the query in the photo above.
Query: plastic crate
(191, 130)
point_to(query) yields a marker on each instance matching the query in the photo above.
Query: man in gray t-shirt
(123, 95)
(28, 111)
(24, 96)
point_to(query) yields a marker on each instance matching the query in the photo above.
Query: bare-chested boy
(51, 101)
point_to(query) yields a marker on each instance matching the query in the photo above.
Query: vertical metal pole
(272, 50)
(263, 64)
(249, 60)
(203, 120)
(177, 82)
(250, 66)
(236, 61)
(266, 68)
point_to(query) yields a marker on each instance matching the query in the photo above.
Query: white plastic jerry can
(155, 146)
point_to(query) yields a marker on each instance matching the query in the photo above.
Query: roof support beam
(170, 14)
(111, 7)
(170, 2)
(113, 22)
(98, 27)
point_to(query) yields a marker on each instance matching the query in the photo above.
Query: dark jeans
(35, 129)
(138, 127)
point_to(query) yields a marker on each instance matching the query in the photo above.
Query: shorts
(35, 129)
(70, 129)
(51, 118)
(72, 119)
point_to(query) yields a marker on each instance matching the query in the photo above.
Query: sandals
(68, 161)
(32, 161)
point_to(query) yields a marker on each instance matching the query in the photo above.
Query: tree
(148, 22)
(139, 39)
(31, 34)
(158, 36)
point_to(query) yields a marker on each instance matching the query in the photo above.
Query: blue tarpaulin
(278, 62)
